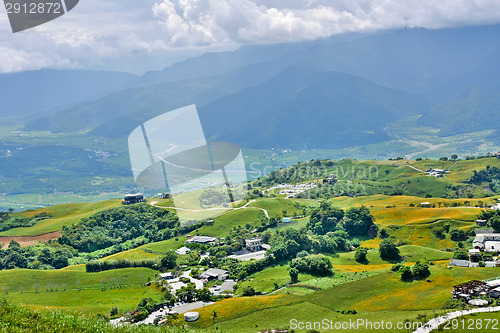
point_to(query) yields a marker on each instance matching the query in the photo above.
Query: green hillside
(15, 318)
(60, 215)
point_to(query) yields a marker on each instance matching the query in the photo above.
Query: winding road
(433, 324)
(153, 203)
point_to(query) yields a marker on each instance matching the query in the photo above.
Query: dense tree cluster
(45, 256)
(313, 264)
(360, 255)
(388, 251)
(189, 294)
(418, 271)
(117, 225)
(104, 265)
(7, 221)
(490, 175)
(355, 221)
(485, 175)
(493, 218)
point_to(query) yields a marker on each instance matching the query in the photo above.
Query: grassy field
(224, 223)
(74, 289)
(372, 294)
(371, 289)
(21, 319)
(264, 281)
(65, 214)
(276, 207)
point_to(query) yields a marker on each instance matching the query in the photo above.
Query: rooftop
(201, 239)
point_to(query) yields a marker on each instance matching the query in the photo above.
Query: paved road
(434, 323)
(179, 309)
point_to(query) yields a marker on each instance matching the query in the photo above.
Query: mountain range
(336, 92)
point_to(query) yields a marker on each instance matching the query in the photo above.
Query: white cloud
(133, 35)
(189, 23)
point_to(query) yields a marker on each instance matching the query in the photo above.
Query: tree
(294, 274)
(36, 287)
(60, 261)
(388, 251)
(360, 255)
(113, 312)
(406, 274)
(495, 222)
(454, 157)
(457, 234)
(248, 291)
(324, 219)
(438, 232)
(383, 233)
(461, 254)
(357, 221)
(214, 315)
(421, 270)
(204, 295)
(187, 294)
(169, 298)
(168, 261)
(15, 260)
(314, 264)
(14, 245)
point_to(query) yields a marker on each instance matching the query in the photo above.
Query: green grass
(224, 223)
(411, 253)
(375, 295)
(275, 207)
(263, 281)
(62, 215)
(73, 288)
(163, 246)
(22, 319)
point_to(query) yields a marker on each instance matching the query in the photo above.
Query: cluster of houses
(292, 190)
(485, 244)
(254, 248)
(437, 172)
(475, 291)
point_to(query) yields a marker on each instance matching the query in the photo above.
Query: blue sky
(137, 35)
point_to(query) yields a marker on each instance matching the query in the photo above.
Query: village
(187, 286)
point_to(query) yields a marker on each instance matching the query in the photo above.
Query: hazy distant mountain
(218, 63)
(383, 74)
(32, 92)
(476, 109)
(304, 107)
(440, 63)
(117, 114)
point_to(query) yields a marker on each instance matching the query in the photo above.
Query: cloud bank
(122, 34)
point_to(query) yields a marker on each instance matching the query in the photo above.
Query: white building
(183, 250)
(487, 242)
(253, 244)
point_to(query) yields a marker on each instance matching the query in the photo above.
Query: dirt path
(411, 166)
(29, 240)
(226, 210)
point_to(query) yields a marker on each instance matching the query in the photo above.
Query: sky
(140, 35)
